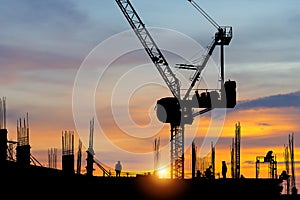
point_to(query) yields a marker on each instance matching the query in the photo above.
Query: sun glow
(162, 173)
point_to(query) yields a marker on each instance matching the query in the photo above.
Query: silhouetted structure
(90, 151)
(235, 152)
(79, 155)
(68, 152)
(15, 179)
(3, 113)
(288, 175)
(294, 190)
(90, 160)
(11, 150)
(3, 145)
(271, 161)
(205, 162)
(52, 158)
(194, 159)
(105, 170)
(23, 147)
(213, 159)
(3, 131)
(156, 155)
(43, 179)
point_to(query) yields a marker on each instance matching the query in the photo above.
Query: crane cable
(213, 22)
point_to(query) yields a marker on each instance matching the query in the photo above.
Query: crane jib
(150, 46)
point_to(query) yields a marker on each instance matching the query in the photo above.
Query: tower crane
(178, 110)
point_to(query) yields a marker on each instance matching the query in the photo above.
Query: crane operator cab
(224, 35)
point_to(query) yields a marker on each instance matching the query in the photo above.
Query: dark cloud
(274, 101)
(283, 162)
(250, 162)
(266, 141)
(263, 124)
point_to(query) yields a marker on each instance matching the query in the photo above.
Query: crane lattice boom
(150, 46)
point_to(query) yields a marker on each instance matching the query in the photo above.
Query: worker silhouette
(284, 175)
(209, 172)
(269, 157)
(198, 174)
(224, 169)
(118, 168)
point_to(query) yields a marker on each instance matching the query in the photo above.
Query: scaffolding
(272, 164)
(68, 143)
(11, 150)
(3, 113)
(23, 131)
(203, 163)
(288, 175)
(68, 152)
(105, 170)
(23, 148)
(293, 179)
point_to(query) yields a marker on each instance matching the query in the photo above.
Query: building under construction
(25, 176)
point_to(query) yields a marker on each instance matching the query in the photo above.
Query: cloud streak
(274, 101)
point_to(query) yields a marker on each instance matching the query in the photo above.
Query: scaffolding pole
(235, 152)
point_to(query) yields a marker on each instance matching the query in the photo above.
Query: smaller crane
(226, 98)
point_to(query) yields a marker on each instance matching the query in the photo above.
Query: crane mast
(175, 110)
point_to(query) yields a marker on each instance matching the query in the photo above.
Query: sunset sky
(66, 62)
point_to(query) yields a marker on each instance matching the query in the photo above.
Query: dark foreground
(46, 183)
